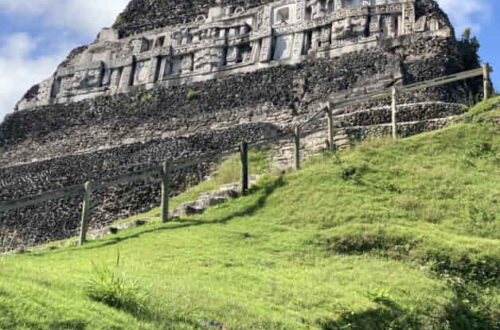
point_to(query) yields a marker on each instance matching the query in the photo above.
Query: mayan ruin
(171, 80)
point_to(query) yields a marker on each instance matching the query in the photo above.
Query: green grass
(229, 171)
(390, 235)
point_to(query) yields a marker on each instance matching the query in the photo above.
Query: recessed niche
(282, 15)
(282, 47)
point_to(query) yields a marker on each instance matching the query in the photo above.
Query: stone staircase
(206, 200)
(341, 140)
(212, 198)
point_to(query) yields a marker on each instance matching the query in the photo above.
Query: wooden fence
(168, 166)
(343, 100)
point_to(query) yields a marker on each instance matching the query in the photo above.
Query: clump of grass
(142, 100)
(460, 258)
(113, 289)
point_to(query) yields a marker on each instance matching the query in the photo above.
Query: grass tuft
(112, 288)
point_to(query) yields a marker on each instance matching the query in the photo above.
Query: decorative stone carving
(349, 27)
(187, 63)
(209, 59)
(227, 38)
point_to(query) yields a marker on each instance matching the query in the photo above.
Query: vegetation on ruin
(389, 235)
(192, 94)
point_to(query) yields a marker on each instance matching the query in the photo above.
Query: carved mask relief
(276, 31)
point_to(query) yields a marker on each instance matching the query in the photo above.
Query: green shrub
(119, 20)
(192, 94)
(146, 97)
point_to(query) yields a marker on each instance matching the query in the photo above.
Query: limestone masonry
(179, 78)
(225, 40)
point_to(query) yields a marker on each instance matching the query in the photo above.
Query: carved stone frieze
(225, 40)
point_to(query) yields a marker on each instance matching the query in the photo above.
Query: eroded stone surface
(226, 38)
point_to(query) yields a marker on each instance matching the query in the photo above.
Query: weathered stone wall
(268, 95)
(359, 125)
(229, 40)
(144, 15)
(406, 113)
(60, 219)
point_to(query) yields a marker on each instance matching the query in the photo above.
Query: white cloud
(468, 13)
(83, 16)
(20, 69)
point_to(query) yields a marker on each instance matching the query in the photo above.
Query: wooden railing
(168, 167)
(344, 100)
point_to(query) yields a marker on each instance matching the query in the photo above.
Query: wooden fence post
(393, 113)
(87, 200)
(486, 81)
(331, 143)
(165, 191)
(297, 147)
(244, 168)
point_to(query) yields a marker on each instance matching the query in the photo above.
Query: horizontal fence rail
(337, 100)
(41, 198)
(128, 178)
(164, 171)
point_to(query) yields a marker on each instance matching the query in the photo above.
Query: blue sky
(36, 35)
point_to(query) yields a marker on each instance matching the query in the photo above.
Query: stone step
(343, 143)
(341, 137)
(206, 200)
(213, 198)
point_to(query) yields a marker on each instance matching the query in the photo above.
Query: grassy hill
(389, 235)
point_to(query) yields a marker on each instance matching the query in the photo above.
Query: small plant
(352, 174)
(379, 295)
(145, 98)
(111, 288)
(141, 101)
(336, 158)
(388, 186)
(192, 94)
(119, 20)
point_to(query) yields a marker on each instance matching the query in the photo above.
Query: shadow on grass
(266, 190)
(387, 315)
(68, 325)
(467, 311)
(464, 312)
